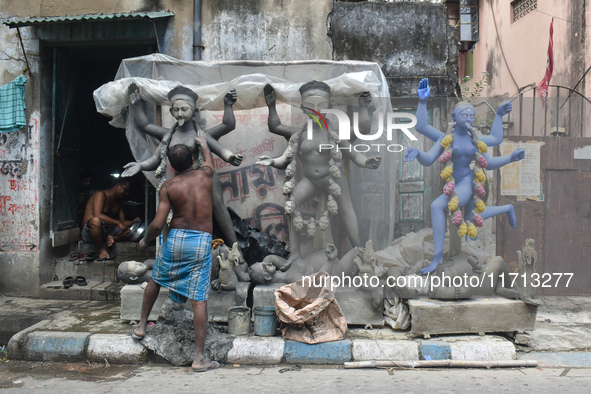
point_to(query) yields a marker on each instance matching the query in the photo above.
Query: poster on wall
(522, 178)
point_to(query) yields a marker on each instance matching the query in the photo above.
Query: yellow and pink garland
(480, 163)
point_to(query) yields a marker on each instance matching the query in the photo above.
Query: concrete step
(123, 250)
(95, 290)
(102, 271)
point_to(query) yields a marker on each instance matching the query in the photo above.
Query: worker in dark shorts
(104, 219)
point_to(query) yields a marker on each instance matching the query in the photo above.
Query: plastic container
(265, 321)
(238, 320)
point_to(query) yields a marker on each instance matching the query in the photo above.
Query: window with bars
(520, 8)
(469, 20)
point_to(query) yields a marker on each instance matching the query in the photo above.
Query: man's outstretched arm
(207, 156)
(157, 224)
(126, 223)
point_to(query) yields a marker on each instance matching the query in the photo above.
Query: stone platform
(356, 305)
(132, 295)
(478, 315)
(101, 275)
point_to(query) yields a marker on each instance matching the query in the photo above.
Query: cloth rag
(12, 105)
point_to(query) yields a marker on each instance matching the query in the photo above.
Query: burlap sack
(308, 311)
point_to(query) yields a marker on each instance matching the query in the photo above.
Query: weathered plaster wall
(266, 30)
(586, 13)
(54, 8)
(19, 207)
(178, 40)
(18, 181)
(516, 57)
(408, 40)
(20, 172)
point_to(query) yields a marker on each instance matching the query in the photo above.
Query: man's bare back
(189, 194)
(191, 199)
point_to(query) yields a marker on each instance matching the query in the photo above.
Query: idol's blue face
(464, 116)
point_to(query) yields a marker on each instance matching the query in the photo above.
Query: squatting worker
(183, 264)
(104, 218)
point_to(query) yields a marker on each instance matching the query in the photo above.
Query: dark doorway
(89, 153)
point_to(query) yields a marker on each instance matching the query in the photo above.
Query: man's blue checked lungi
(183, 265)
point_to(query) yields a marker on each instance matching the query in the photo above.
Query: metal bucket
(265, 321)
(238, 320)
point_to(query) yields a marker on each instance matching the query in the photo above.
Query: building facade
(68, 50)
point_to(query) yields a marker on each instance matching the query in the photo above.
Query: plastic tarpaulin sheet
(112, 98)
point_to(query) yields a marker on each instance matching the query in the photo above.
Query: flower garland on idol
(480, 163)
(334, 189)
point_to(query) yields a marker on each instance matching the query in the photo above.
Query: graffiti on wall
(19, 222)
(257, 186)
(254, 192)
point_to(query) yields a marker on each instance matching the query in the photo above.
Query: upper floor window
(469, 20)
(464, 15)
(520, 8)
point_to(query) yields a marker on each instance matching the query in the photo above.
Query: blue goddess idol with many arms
(463, 190)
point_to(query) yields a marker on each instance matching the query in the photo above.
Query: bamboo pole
(442, 364)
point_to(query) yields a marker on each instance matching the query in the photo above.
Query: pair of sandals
(69, 281)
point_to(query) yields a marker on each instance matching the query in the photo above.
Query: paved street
(98, 378)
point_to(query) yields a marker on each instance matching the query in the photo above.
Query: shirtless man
(184, 109)
(183, 264)
(104, 219)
